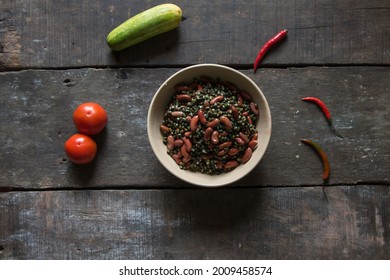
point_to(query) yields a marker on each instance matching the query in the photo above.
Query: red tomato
(80, 148)
(90, 118)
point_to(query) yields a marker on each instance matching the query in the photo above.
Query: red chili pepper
(323, 157)
(278, 37)
(325, 163)
(325, 110)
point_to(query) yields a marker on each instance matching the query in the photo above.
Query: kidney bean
(208, 156)
(177, 114)
(214, 137)
(186, 159)
(213, 123)
(247, 155)
(180, 88)
(187, 133)
(164, 129)
(231, 164)
(219, 164)
(246, 95)
(253, 144)
(202, 117)
(183, 97)
(225, 145)
(170, 142)
(240, 101)
(223, 133)
(176, 158)
(249, 119)
(234, 112)
(187, 143)
(178, 143)
(222, 152)
(239, 141)
(184, 152)
(226, 121)
(207, 133)
(255, 136)
(216, 99)
(244, 137)
(254, 108)
(194, 123)
(233, 151)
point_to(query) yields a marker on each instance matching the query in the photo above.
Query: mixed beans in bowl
(209, 125)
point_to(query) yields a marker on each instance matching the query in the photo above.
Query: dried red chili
(323, 157)
(278, 37)
(325, 163)
(325, 110)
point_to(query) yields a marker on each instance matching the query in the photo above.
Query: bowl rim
(189, 179)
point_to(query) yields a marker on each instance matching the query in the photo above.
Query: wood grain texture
(126, 205)
(55, 34)
(36, 120)
(273, 223)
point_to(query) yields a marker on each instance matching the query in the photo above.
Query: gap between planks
(138, 188)
(242, 67)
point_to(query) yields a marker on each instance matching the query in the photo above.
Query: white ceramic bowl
(161, 100)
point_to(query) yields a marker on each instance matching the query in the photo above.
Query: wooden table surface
(53, 56)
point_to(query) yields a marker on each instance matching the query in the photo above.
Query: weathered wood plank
(47, 34)
(273, 223)
(36, 119)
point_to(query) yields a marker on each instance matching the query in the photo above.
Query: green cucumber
(152, 22)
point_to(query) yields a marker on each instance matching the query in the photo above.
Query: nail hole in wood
(67, 82)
